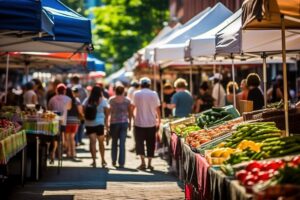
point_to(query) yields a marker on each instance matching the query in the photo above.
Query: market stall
(220, 155)
(12, 142)
(37, 128)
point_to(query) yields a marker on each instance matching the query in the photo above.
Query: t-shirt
(100, 116)
(118, 110)
(59, 103)
(219, 95)
(73, 115)
(257, 97)
(184, 103)
(146, 102)
(207, 100)
(27, 97)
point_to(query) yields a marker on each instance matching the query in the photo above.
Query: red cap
(61, 85)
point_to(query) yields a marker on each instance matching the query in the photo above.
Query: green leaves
(124, 26)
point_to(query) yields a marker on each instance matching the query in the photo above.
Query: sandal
(104, 164)
(150, 167)
(141, 167)
(93, 165)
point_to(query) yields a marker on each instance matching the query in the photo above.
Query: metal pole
(191, 77)
(264, 57)
(233, 79)
(6, 78)
(154, 78)
(285, 84)
(162, 92)
(37, 171)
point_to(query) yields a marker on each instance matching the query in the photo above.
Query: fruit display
(185, 129)
(200, 137)
(49, 115)
(213, 117)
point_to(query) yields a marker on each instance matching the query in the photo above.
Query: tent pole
(162, 92)
(285, 85)
(154, 78)
(233, 79)
(6, 78)
(264, 57)
(191, 77)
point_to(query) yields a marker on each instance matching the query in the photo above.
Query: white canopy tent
(149, 50)
(149, 55)
(174, 45)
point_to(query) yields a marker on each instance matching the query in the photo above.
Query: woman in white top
(29, 97)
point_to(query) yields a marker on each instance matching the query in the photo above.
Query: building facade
(184, 10)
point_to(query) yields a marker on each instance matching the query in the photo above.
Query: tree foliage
(76, 5)
(124, 26)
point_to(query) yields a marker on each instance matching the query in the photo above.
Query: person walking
(96, 120)
(182, 100)
(120, 121)
(218, 92)
(73, 120)
(146, 109)
(168, 92)
(81, 94)
(60, 103)
(40, 92)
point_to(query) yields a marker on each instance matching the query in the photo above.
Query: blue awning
(24, 15)
(70, 32)
(69, 26)
(94, 64)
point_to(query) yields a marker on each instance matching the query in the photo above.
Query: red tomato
(255, 171)
(241, 175)
(263, 176)
(254, 164)
(275, 165)
(296, 160)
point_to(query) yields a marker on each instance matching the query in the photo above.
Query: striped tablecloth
(11, 145)
(41, 127)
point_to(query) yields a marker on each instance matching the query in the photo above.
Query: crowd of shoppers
(102, 115)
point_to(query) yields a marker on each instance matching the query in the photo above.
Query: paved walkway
(79, 181)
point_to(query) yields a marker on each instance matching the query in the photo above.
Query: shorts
(99, 130)
(142, 135)
(72, 128)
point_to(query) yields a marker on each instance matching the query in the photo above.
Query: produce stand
(39, 128)
(206, 157)
(10, 145)
(39, 131)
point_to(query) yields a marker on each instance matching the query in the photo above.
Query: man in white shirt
(218, 92)
(146, 107)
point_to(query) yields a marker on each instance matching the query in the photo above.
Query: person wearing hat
(218, 92)
(134, 86)
(182, 100)
(60, 103)
(146, 109)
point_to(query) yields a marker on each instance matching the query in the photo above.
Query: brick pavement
(79, 181)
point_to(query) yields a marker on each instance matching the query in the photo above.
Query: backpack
(90, 111)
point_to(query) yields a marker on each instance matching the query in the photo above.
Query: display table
(10, 146)
(41, 130)
(41, 127)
